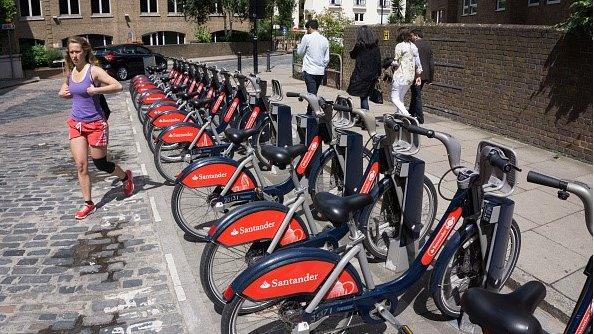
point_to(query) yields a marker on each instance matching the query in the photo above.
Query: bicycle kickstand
(391, 319)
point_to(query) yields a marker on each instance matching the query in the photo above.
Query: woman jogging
(368, 65)
(87, 126)
(407, 64)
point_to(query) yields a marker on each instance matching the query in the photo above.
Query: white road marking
(179, 290)
(154, 207)
(134, 131)
(138, 147)
(143, 169)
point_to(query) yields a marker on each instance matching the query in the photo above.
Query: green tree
(202, 35)
(8, 11)
(198, 9)
(285, 12)
(580, 20)
(415, 9)
(332, 23)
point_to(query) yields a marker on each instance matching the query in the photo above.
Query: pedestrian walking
(426, 58)
(87, 126)
(368, 65)
(407, 69)
(315, 50)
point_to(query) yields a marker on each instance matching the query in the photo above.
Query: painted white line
(143, 169)
(179, 290)
(154, 208)
(138, 147)
(134, 131)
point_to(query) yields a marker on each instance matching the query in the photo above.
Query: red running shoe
(129, 184)
(86, 210)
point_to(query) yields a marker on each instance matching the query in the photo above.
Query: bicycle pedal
(391, 319)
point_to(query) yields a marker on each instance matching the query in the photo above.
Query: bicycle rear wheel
(169, 159)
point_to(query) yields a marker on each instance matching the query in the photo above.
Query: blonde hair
(86, 47)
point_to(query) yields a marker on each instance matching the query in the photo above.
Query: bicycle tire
(185, 208)
(468, 243)
(168, 160)
(381, 252)
(207, 263)
(329, 164)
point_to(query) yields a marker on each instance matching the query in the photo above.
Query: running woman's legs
(80, 153)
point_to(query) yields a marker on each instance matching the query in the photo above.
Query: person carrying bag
(368, 67)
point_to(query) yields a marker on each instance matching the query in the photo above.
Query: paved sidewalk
(555, 242)
(105, 274)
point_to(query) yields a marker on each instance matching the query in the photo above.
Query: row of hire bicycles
(294, 256)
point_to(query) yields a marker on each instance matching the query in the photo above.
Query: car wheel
(122, 73)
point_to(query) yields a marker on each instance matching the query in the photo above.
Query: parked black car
(122, 61)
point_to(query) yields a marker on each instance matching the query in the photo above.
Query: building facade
(104, 22)
(531, 12)
(360, 11)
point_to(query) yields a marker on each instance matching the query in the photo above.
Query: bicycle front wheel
(463, 269)
(192, 210)
(384, 218)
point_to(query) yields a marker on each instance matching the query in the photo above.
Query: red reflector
(228, 293)
(212, 230)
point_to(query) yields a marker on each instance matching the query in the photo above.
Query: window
(100, 7)
(500, 5)
(95, 40)
(358, 17)
(30, 8)
(174, 6)
(69, 7)
(335, 2)
(533, 2)
(437, 16)
(164, 38)
(384, 4)
(551, 2)
(359, 2)
(148, 6)
(469, 7)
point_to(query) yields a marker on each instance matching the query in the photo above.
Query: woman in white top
(407, 69)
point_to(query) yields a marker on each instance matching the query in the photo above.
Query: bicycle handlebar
(293, 94)
(419, 130)
(545, 180)
(579, 189)
(339, 107)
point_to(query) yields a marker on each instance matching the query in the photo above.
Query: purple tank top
(85, 108)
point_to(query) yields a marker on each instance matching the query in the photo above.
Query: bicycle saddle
(237, 136)
(282, 156)
(337, 209)
(505, 313)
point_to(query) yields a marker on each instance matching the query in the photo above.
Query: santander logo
(443, 233)
(169, 120)
(341, 289)
(180, 135)
(252, 118)
(289, 281)
(370, 179)
(200, 177)
(250, 229)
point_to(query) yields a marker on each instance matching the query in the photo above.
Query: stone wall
(525, 82)
(199, 50)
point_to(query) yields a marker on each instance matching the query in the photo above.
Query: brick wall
(524, 82)
(200, 50)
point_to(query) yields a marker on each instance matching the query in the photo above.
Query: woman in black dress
(368, 65)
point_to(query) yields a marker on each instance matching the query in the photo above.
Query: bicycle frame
(581, 316)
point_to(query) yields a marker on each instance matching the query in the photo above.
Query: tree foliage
(8, 11)
(332, 23)
(580, 21)
(202, 35)
(198, 10)
(285, 12)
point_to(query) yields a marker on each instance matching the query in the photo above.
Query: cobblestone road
(104, 274)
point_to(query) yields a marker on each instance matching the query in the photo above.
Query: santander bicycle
(256, 229)
(314, 290)
(513, 313)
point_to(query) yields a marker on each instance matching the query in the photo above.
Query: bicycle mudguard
(296, 271)
(216, 171)
(153, 97)
(153, 111)
(168, 118)
(185, 132)
(257, 221)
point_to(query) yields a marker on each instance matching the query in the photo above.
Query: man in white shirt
(316, 51)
